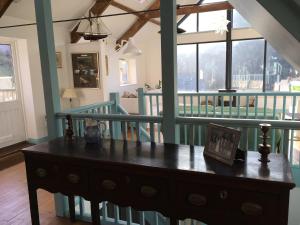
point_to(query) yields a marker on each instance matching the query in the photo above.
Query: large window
(239, 62)
(212, 64)
(239, 21)
(247, 64)
(280, 75)
(187, 66)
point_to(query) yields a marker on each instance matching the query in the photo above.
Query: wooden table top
(181, 158)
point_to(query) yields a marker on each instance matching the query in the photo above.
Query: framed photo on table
(85, 70)
(222, 143)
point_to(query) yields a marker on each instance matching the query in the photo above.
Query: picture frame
(222, 143)
(59, 60)
(85, 68)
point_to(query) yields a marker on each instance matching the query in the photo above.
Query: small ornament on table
(264, 148)
(69, 131)
(94, 132)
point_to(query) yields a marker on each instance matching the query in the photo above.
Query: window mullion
(228, 78)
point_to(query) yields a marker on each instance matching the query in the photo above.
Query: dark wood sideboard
(176, 180)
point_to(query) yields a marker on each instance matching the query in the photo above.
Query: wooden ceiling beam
(185, 10)
(141, 21)
(127, 9)
(97, 9)
(4, 4)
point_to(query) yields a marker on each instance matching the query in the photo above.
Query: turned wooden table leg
(71, 201)
(95, 211)
(34, 209)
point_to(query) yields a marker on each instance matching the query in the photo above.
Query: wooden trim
(184, 10)
(4, 4)
(127, 9)
(139, 23)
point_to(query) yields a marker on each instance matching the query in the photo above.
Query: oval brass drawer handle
(252, 209)
(73, 178)
(108, 185)
(197, 200)
(41, 173)
(148, 191)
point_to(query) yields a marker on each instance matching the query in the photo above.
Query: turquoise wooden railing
(242, 105)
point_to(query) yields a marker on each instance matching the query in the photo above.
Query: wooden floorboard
(14, 206)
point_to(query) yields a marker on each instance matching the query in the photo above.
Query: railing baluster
(283, 107)
(206, 105)
(116, 214)
(104, 211)
(142, 218)
(151, 105)
(222, 106)
(184, 105)
(274, 107)
(292, 147)
(128, 216)
(138, 131)
(214, 105)
(265, 106)
(294, 107)
(192, 105)
(157, 105)
(111, 129)
(191, 135)
(155, 218)
(273, 140)
(285, 142)
(239, 106)
(247, 106)
(199, 105)
(230, 105)
(152, 134)
(124, 130)
(131, 130)
(256, 105)
(244, 139)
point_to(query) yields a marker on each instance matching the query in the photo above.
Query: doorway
(12, 126)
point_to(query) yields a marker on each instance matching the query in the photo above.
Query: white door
(12, 128)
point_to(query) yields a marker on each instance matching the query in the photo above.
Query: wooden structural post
(115, 97)
(49, 76)
(169, 70)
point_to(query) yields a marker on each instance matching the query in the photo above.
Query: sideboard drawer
(43, 174)
(149, 193)
(245, 207)
(74, 180)
(110, 186)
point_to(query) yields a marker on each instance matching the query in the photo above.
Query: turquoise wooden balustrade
(243, 105)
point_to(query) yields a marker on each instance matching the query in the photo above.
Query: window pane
(7, 78)
(212, 65)
(186, 67)
(210, 21)
(123, 68)
(247, 64)
(190, 24)
(239, 21)
(280, 75)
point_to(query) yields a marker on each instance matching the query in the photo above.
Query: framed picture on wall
(58, 60)
(222, 143)
(85, 70)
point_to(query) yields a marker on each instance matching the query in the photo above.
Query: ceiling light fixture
(131, 49)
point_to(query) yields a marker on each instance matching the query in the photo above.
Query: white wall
(29, 34)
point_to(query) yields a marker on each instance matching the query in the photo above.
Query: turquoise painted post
(141, 101)
(169, 69)
(49, 76)
(115, 97)
(48, 64)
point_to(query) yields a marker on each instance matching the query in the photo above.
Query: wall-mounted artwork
(58, 60)
(85, 70)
